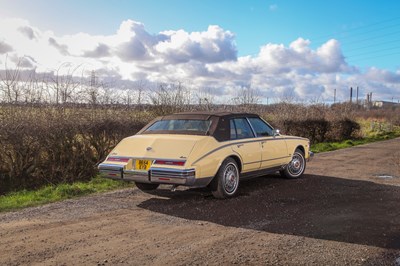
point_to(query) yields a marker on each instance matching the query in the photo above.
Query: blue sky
(367, 32)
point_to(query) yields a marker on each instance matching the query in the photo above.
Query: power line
(374, 52)
(373, 45)
(378, 56)
(356, 29)
(373, 38)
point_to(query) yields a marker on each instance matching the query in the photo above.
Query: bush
(41, 146)
(342, 129)
(315, 130)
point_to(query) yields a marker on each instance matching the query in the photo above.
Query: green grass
(331, 146)
(24, 198)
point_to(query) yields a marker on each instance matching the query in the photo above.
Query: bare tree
(64, 86)
(205, 99)
(9, 82)
(170, 98)
(247, 98)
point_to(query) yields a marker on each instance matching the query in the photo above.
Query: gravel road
(344, 211)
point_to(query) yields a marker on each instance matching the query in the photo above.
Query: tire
(226, 180)
(146, 186)
(296, 167)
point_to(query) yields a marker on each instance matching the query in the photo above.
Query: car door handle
(239, 145)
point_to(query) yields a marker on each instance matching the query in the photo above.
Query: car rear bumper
(185, 177)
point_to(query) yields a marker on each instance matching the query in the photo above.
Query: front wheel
(296, 167)
(146, 186)
(227, 179)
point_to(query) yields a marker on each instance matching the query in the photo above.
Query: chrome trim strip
(251, 126)
(268, 160)
(242, 142)
(172, 169)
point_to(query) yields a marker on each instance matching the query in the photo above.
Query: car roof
(205, 115)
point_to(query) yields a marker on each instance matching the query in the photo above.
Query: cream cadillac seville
(205, 149)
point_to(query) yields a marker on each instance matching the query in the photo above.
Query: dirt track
(340, 213)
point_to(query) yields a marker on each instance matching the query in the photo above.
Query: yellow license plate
(142, 164)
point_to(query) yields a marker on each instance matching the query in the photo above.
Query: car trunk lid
(175, 147)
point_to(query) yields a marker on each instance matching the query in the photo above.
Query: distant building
(384, 104)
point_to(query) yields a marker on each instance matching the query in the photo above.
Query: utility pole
(357, 96)
(351, 94)
(334, 96)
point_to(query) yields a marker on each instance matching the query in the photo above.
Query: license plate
(142, 164)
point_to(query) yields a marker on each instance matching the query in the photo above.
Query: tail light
(118, 159)
(170, 162)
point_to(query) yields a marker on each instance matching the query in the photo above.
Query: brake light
(170, 162)
(118, 159)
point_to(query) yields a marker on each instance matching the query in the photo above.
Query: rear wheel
(226, 180)
(146, 186)
(296, 167)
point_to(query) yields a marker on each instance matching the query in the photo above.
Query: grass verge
(331, 146)
(24, 198)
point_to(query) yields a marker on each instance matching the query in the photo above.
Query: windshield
(179, 126)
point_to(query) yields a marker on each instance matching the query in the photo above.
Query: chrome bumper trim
(113, 171)
(156, 175)
(172, 176)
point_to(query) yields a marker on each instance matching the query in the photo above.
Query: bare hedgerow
(41, 145)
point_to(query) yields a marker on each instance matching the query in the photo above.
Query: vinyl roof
(205, 115)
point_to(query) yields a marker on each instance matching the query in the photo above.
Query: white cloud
(28, 32)
(211, 46)
(5, 48)
(206, 59)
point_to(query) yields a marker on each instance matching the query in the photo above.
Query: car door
(273, 147)
(244, 144)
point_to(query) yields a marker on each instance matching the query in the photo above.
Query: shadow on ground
(321, 207)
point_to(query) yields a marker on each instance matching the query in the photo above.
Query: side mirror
(276, 132)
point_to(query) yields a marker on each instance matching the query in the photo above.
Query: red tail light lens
(170, 162)
(118, 159)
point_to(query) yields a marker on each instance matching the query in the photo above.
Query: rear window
(179, 126)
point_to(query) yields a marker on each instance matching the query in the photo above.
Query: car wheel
(296, 167)
(146, 186)
(227, 180)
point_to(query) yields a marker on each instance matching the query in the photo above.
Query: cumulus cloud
(5, 48)
(211, 46)
(207, 59)
(173, 47)
(299, 56)
(102, 50)
(23, 62)
(382, 75)
(28, 32)
(62, 48)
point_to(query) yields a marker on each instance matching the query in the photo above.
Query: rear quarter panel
(208, 155)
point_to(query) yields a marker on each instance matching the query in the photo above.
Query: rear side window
(240, 129)
(261, 128)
